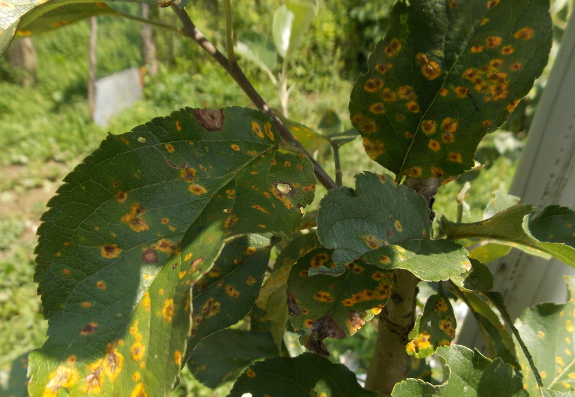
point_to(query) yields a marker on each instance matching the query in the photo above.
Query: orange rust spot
(477, 48)
(431, 70)
(259, 208)
(511, 107)
(250, 373)
(121, 196)
(377, 108)
(486, 123)
(408, 135)
(89, 328)
(197, 189)
(66, 271)
(373, 85)
(101, 284)
(367, 125)
(462, 92)
(137, 351)
(492, 3)
(448, 137)
(235, 147)
(308, 323)
(516, 66)
(413, 107)
(455, 157)
(398, 226)
(232, 292)
(230, 221)
(508, 49)
(139, 391)
(393, 48)
(188, 174)
(168, 309)
(178, 125)
(381, 68)
(250, 280)
(388, 96)
(178, 358)
(113, 361)
(499, 91)
(127, 142)
(413, 171)
(257, 129)
(169, 148)
(434, 145)
(525, 33)
(493, 41)
(86, 304)
(166, 246)
(443, 92)
(146, 302)
(406, 92)
(374, 149)
(269, 132)
(437, 172)
(449, 125)
(135, 222)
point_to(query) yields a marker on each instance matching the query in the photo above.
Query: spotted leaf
(323, 306)
(467, 374)
(226, 294)
(377, 213)
(434, 328)
(447, 73)
(550, 232)
(272, 296)
(302, 376)
(547, 329)
(221, 357)
(497, 339)
(133, 227)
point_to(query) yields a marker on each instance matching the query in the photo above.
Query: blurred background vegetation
(46, 129)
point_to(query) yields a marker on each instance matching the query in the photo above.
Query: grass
(46, 130)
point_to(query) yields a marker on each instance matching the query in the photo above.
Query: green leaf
(135, 225)
(326, 306)
(479, 278)
(488, 252)
(549, 232)
(315, 143)
(447, 73)
(257, 48)
(434, 328)
(302, 376)
(330, 124)
(428, 260)
(547, 329)
(468, 374)
(232, 286)
(272, 296)
(13, 379)
(221, 357)
(500, 202)
(291, 22)
(497, 340)
(64, 16)
(378, 212)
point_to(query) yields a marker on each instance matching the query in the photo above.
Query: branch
(234, 70)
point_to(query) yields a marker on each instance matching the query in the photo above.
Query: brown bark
(389, 363)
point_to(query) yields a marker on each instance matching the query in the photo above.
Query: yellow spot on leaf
(377, 108)
(197, 189)
(431, 70)
(428, 126)
(269, 132)
(393, 48)
(441, 305)
(230, 221)
(178, 358)
(406, 92)
(437, 172)
(569, 326)
(232, 292)
(235, 147)
(443, 92)
(455, 157)
(139, 391)
(146, 302)
(493, 41)
(413, 171)
(434, 145)
(371, 241)
(257, 129)
(477, 48)
(373, 85)
(169, 148)
(168, 309)
(492, 3)
(137, 350)
(101, 284)
(112, 363)
(508, 49)
(412, 107)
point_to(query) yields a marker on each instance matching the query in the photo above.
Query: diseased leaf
(497, 340)
(316, 144)
(324, 306)
(302, 376)
(221, 357)
(226, 294)
(479, 278)
(547, 329)
(63, 16)
(551, 232)
(468, 374)
(488, 252)
(378, 212)
(272, 296)
(13, 379)
(17, 16)
(447, 73)
(434, 328)
(135, 225)
(428, 260)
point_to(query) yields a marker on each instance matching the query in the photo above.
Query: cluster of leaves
(160, 240)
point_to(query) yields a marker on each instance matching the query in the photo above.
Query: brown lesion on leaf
(113, 362)
(525, 33)
(230, 221)
(448, 137)
(413, 107)
(89, 328)
(434, 145)
(292, 304)
(493, 41)
(407, 93)
(388, 96)
(323, 328)
(437, 172)
(232, 292)
(197, 189)
(211, 120)
(377, 108)
(476, 48)
(455, 157)
(431, 70)
(323, 296)
(462, 92)
(150, 256)
(373, 85)
(188, 174)
(492, 3)
(166, 246)
(374, 149)
(508, 49)
(393, 48)
(121, 196)
(110, 251)
(515, 66)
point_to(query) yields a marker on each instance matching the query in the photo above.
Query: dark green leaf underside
(552, 231)
(469, 374)
(221, 357)
(447, 73)
(302, 376)
(135, 225)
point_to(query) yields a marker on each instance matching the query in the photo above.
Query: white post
(545, 175)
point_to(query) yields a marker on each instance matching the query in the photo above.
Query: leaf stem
(337, 161)
(503, 311)
(234, 70)
(229, 32)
